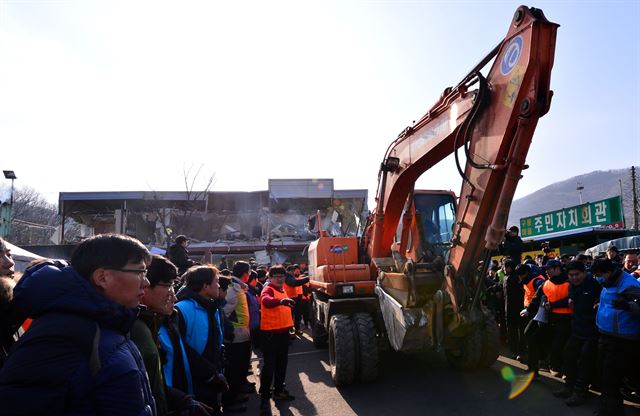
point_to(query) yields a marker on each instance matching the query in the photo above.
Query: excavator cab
(425, 228)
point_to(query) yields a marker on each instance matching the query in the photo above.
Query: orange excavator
(413, 280)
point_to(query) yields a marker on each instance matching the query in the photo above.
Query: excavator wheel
(467, 354)
(318, 333)
(367, 347)
(490, 342)
(342, 350)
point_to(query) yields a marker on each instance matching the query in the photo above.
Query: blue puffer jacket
(617, 322)
(76, 358)
(254, 309)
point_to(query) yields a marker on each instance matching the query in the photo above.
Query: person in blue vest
(618, 321)
(76, 357)
(200, 327)
(158, 339)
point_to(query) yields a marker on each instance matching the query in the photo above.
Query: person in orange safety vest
(556, 289)
(275, 322)
(293, 287)
(535, 332)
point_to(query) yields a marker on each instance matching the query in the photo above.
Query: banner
(606, 213)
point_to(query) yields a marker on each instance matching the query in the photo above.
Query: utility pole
(579, 188)
(624, 218)
(635, 197)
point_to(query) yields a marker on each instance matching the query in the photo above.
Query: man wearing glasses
(275, 322)
(77, 357)
(169, 376)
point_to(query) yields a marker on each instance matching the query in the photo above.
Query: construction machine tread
(342, 350)
(367, 347)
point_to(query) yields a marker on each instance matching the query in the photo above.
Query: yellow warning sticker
(513, 86)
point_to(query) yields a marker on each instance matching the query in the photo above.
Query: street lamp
(9, 174)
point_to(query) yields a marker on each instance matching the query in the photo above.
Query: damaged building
(274, 226)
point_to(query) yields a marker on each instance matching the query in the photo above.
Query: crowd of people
(576, 316)
(118, 331)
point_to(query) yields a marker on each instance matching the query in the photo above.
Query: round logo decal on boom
(511, 56)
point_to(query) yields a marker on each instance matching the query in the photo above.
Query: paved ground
(414, 385)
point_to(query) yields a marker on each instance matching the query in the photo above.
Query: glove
(621, 304)
(192, 407)
(524, 313)
(287, 302)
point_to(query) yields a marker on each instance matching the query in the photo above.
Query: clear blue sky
(108, 95)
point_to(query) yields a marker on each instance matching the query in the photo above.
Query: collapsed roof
(284, 215)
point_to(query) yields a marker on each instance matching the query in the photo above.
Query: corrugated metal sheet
(300, 188)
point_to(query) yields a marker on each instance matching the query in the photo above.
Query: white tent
(21, 256)
(622, 244)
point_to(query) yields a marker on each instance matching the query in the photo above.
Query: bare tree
(34, 219)
(184, 211)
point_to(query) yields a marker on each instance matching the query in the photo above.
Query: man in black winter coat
(179, 255)
(581, 350)
(513, 303)
(512, 246)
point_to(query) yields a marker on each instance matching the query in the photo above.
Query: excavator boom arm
(494, 124)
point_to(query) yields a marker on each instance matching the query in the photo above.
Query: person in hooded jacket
(158, 339)
(618, 321)
(77, 358)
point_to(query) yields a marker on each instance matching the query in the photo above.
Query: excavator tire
(318, 333)
(490, 342)
(342, 350)
(467, 355)
(367, 347)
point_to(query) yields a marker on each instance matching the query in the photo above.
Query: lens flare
(507, 374)
(518, 383)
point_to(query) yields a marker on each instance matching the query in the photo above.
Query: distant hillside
(597, 185)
